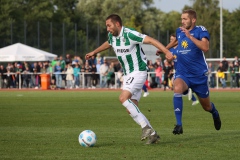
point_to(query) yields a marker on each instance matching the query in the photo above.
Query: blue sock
(214, 111)
(178, 106)
(144, 88)
(193, 98)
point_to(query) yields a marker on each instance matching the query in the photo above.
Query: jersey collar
(121, 33)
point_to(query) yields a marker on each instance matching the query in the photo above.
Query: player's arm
(158, 45)
(202, 44)
(170, 45)
(101, 48)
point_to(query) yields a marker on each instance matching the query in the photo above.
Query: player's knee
(122, 99)
(178, 89)
(207, 108)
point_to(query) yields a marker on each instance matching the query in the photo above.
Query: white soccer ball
(87, 138)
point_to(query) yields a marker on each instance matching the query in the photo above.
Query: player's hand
(187, 33)
(89, 55)
(169, 56)
(158, 52)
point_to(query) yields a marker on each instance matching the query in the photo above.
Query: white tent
(21, 52)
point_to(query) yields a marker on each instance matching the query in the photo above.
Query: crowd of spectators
(66, 73)
(162, 73)
(74, 72)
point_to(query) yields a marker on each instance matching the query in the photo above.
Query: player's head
(114, 24)
(172, 37)
(189, 18)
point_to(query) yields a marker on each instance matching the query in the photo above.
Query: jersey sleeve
(136, 36)
(178, 31)
(203, 32)
(110, 38)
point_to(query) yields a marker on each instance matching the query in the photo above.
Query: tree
(208, 16)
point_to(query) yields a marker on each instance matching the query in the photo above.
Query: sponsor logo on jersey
(184, 44)
(177, 110)
(122, 50)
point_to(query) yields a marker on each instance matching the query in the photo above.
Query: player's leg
(144, 88)
(210, 107)
(179, 88)
(202, 92)
(194, 100)
(129, 97)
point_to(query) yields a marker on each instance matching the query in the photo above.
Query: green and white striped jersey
(127, 47)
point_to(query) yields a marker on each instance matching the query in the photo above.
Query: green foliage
(46, 125)
(29, 22)
(231, 33)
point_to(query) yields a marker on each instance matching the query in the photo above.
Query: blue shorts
(199, 85)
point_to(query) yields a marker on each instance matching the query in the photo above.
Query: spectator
(236, 64)
(111, 76)
(43, 69)
(54, 62)
(225, 66)
(68, 59)
(94, 76)
(232, 71)
(9, 78)
(103, 74)
(26, 78)
(2, 76)
(58, 75)
(75, 60)
(221, 75)
(80, 61)
(158, 74)
(69, 76)
(99, 58)
(211, 75)
(76, 71)
(92, 61)
(87, 77)
(98, 65)
(62, 62)
(64, 76)
(166, 70)
(153, 83)
(35, 78)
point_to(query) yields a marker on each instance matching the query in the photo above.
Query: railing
(82, 78)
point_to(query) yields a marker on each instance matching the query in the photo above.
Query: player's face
(172, 38)
(111, 27)
(186, 21)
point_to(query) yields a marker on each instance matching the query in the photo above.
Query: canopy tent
(21, 52)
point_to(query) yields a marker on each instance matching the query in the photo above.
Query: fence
(82, 79)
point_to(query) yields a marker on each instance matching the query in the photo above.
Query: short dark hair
(115, 18)
(173, 34)
(191, 13)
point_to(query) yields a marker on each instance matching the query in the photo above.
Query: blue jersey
(191, 59)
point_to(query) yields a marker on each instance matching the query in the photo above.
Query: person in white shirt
(126, 43)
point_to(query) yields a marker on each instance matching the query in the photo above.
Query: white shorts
(133, 82)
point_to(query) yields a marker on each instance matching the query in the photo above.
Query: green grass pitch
(46, 124)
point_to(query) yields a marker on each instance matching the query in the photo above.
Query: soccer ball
(87, 138)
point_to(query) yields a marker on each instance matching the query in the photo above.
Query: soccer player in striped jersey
(192, 69)
(127, 45)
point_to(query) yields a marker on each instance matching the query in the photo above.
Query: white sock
(135, 113)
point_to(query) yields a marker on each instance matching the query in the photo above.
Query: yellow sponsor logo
(184, 44)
